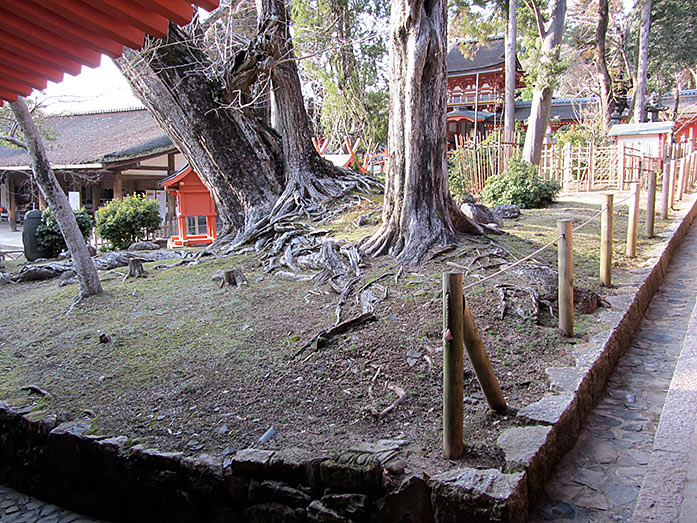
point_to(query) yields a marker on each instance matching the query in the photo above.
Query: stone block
(530, 450)
(549, 409)
(276, 491)
(478, 496)
(318, 513)
(409, 503)
(343, 476)
(251, 461)
(272, 513)
(564, 379)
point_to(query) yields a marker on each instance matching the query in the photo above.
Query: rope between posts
(541, 249)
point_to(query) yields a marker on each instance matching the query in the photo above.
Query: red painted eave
(43, 39)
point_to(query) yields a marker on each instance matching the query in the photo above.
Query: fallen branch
(322, 337)
(343, 297)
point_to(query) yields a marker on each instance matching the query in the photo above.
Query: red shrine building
(476, 87)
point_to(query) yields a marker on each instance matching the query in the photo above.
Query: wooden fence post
(566, 277)
(453, 366)
(671, 187)
(633, 220)
(665, 198)
(481, 364)
(651, 205)
(606, 240)
(620, 168)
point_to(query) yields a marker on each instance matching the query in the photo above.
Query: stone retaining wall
(112, 479)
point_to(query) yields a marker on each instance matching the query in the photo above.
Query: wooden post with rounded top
(566, 277)
(633, 220)
(606, 240)
(651, 205)
(665, 197)
(480, 362)
(453, 366)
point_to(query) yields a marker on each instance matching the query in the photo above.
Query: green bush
(48, 235)
(459, 166)
(123, 222)
(520, 185)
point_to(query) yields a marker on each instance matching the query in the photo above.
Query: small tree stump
(231, 277)
(135, 269)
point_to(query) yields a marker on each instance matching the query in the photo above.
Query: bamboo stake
(633, 221)
(606, 240)
(481, 364)
(566, 277)
(651, 205)
(453, 366)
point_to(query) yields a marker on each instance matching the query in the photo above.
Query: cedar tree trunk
(418, 211)
(237, 156)
(607, 99)
(642, 68)
(510, 57)
(542, 96)
(58, 201)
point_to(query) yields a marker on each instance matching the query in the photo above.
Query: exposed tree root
(322, 337)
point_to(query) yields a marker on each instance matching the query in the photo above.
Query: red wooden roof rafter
(42, 40)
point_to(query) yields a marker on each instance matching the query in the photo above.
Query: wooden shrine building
(96, 156)
(476, 87)
(194, 203)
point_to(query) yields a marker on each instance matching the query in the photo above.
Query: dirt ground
(192, 367)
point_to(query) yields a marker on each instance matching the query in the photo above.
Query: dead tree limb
(322, 337)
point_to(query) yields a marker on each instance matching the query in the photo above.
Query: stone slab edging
(111, 478)
(555, 420)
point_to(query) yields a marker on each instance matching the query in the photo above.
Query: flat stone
(549, 409)
(620, 493)
(521, 444)
(565, 379)
(589, 478)
(557, 510)
(594, 500)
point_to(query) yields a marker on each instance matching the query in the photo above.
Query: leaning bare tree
(550, 33)
(208, 109)
(511, 61)
(57, 200)
(418, 212)
(607, 98)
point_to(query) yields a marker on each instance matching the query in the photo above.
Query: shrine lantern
(194, 203)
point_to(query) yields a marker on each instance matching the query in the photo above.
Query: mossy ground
(193, 367)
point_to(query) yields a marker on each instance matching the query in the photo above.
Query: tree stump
(233, 276)
(135, 269)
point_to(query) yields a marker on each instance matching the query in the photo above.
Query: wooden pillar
(566, 277)
(96, 192)
(453, 366)
(11, 204)
(118, 186)
(606, 240)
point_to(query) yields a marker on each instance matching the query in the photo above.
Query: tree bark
(542, 96)
(510, 58)
(607, 99)
(642, 68)
(308, 176)
(418, 211)
(43, 175)
(237, 156)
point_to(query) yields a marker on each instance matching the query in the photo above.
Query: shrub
(521, 185)
(459, 166)
(48, 235)
(123, 222)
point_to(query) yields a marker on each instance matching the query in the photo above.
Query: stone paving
(20, 508)
(600, 478)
